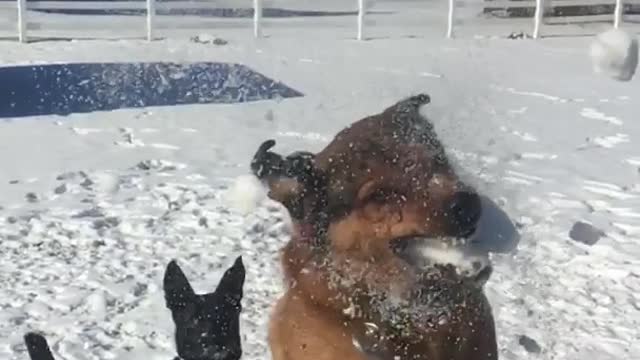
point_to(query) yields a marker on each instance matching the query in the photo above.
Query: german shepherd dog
(366, 278)
(207, 325)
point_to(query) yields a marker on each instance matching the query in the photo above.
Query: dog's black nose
(465, 211)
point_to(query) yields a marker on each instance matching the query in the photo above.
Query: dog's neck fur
(307, 269)
(337, 281)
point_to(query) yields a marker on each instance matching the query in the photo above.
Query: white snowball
(245, 194)
(104, 183)
(97, 305)
(614, 53)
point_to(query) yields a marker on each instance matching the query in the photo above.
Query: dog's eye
(378, 196)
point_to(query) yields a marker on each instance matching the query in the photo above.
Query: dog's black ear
(37, 347)
(177, 290)
(232, 282)
(266, 163)
(290, 179)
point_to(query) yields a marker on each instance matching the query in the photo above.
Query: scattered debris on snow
(585, 233)
(529, 344)
(209, 40)
(32, 197)
(519, 35)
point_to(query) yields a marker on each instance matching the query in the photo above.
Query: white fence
(31, 15)
(542, 6)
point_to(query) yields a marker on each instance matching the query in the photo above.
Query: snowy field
(93, 206)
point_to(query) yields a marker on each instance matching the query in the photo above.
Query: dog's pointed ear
(37, 347)
(177, 290)
(232, 282)
(289, 178)
(266, 163)
(410, 105)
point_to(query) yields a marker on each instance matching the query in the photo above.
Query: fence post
(22, 21)
(257, 18)
(537, 18)
(451, 18)
(361, 12)
(151, 15)
(617, 14)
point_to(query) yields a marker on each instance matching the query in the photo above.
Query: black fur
(208, 325)
(299, 165)
(37, 347)
(266, 163)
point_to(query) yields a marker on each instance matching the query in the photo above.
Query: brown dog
(358, 286)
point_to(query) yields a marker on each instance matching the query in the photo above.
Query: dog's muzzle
(425, 253)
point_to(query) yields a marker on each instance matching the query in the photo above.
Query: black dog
(207, 326)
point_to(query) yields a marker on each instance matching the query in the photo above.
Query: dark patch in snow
(107, 222)
(529, 344)
(98, 243)
(87, 183)
(154, 164)
(519, 35)
(62, 89)
(585, 233)
(32, 197)
(93, 212)
(60, 189)
(209, 40)
(140, 289)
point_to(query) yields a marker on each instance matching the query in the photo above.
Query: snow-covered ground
(93, 206)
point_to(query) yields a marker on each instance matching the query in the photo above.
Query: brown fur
(385, 177)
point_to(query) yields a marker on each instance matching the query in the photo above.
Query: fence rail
(156, 12)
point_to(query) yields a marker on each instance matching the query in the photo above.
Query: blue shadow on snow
(63, 89)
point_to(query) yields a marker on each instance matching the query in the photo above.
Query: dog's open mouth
(425, 253)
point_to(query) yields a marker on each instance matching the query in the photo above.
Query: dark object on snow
(518, 35)
(32, 197)
(208, 39)
(529, 344)
(37, 347)
(208, 325)
(585, 233)
(60, 189)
